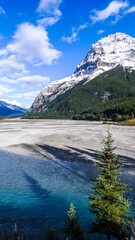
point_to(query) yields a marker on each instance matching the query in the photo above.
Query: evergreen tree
(107, 202)
(72, 229)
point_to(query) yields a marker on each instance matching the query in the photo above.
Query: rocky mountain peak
(107, 53)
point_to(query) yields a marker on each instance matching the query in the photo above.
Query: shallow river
(36, 193)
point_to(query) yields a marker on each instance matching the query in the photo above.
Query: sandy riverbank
(64, 139)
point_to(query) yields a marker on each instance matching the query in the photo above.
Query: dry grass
(12, 120)
(130, 122)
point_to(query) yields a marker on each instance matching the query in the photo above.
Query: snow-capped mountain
(11, 108)
(13, 102)
(106, 54)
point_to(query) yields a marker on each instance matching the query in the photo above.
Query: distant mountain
(13, 102)
(115, 52)
(15, 109)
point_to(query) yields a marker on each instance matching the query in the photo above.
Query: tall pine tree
(107, 201)
(72, 228)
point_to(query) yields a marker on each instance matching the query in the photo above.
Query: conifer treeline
(115, 110)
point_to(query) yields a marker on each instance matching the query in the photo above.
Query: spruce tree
(72, 228)
(107, 201)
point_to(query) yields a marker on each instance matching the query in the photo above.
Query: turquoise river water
(36, 193)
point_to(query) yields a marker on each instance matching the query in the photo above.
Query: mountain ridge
(109, 52)
(116, 84)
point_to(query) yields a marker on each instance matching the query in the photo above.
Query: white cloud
(5, 89)
(10, 65)
(75, 32)
(49, 21)
(25, 95)
(2, 11)
(50, 7)
(113, 9)
(71, 39)
(30, 45)
(35, 80)
(101, 31)
(130, 10)
(83, 26)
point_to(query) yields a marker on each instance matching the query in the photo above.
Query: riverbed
(64, 139)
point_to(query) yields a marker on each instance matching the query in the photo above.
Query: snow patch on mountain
(106, 54)
(14, 102)
(55, 89)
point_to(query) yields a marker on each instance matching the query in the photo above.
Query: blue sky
(44, 40)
